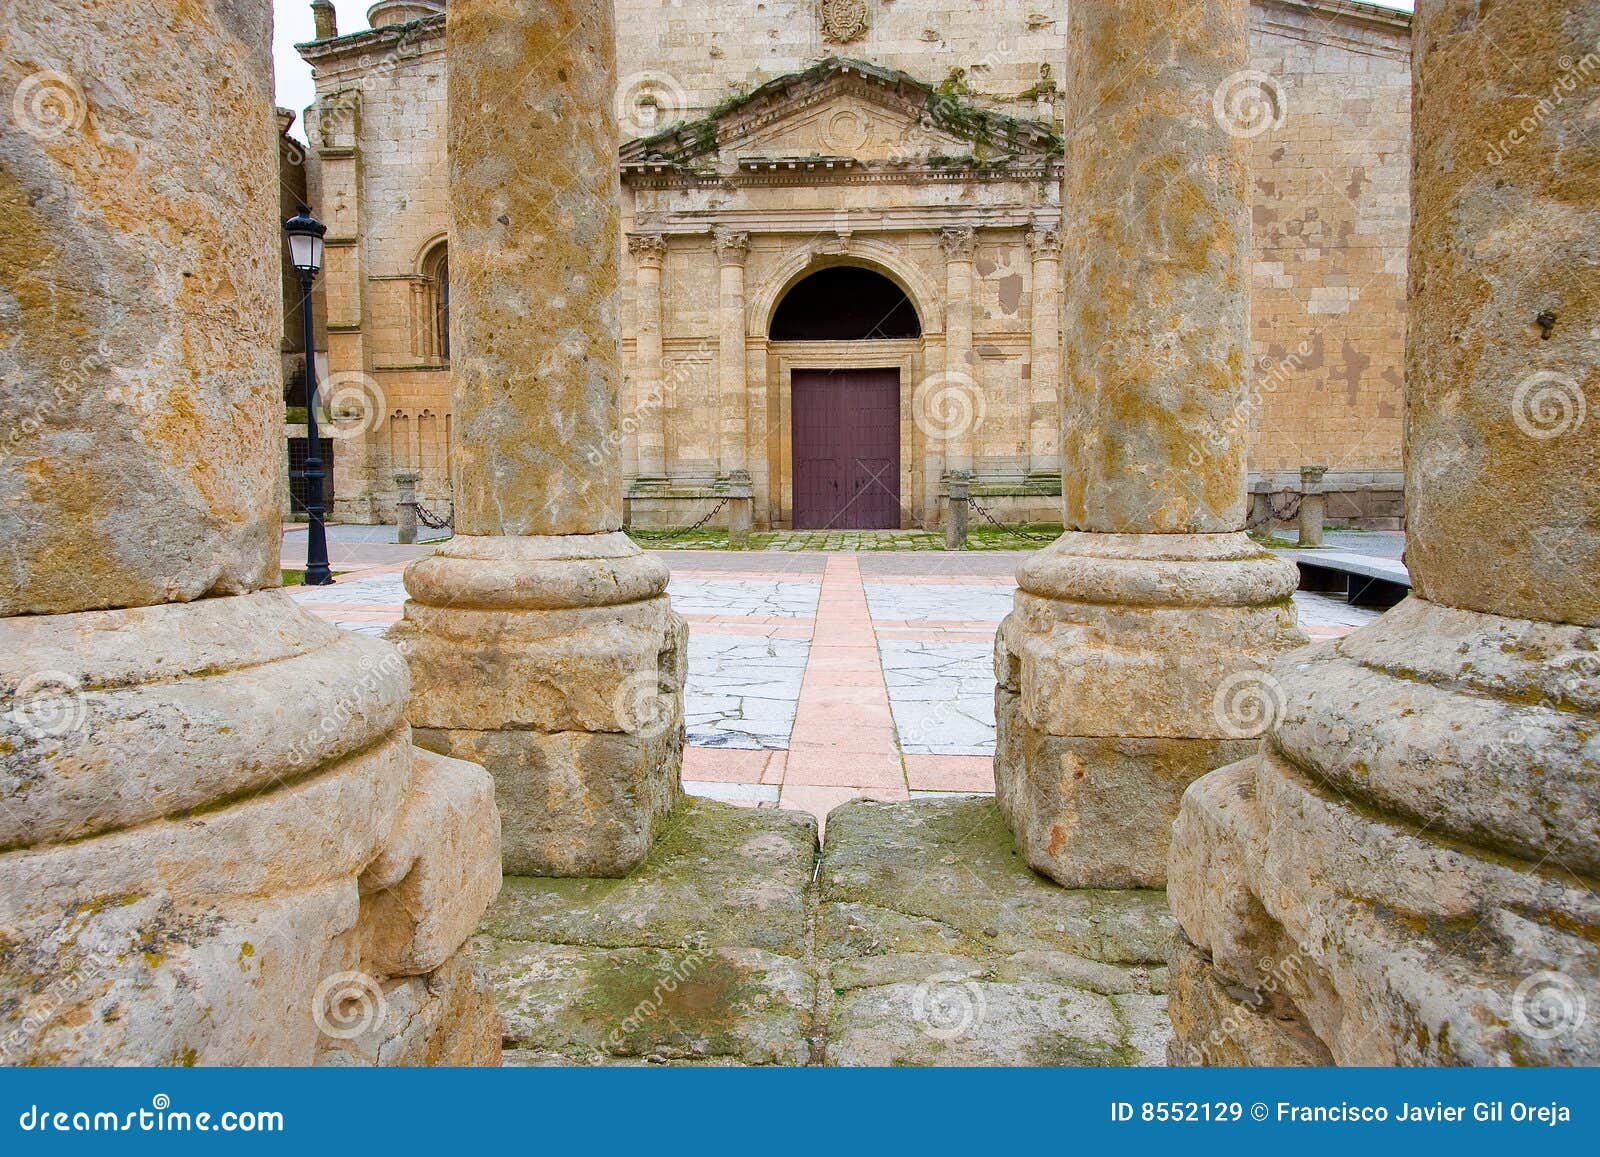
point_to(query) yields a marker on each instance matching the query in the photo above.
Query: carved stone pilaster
(958, 243)
(732, 247)
(647, 249)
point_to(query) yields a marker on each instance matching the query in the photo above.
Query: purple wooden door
(846, 449)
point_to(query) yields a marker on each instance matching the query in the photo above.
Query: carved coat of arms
(844, 20)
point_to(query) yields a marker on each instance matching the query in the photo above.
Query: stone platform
(917, 937)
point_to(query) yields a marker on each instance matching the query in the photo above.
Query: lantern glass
(305, 252)
(305, 235)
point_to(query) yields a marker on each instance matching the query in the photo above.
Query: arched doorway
(845, 420)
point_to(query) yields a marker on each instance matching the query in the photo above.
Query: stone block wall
(1331, 210)
(1330, 207)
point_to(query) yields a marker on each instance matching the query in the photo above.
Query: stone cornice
(1353, 11)
(413, 38)
(1356, 27)
(784, 96)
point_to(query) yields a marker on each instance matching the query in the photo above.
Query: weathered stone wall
(218, 845)
(1331, 208)
(1329, 199)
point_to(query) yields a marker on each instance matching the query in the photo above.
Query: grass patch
(297, 578)
(1029, 536)
(706, 538)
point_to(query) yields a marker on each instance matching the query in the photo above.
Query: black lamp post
(305, 235)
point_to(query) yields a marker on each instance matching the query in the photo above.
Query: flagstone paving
(813, 678)
(919, 937)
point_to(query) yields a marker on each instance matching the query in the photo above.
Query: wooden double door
(846, 443)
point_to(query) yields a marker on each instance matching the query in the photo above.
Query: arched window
(845, 303)
(434, 320)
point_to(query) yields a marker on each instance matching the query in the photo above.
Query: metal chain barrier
(681, 532)
(1024, 535)
(1274, 514)
(431, 520)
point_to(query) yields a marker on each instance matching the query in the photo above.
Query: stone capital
(958, 243)
(647, 249)
(1044, 242)
(732, 247)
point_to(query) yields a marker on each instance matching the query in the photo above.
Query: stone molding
(647, 248)
(1044, 242)
(843, 21)
(732, 246)
(958, 243)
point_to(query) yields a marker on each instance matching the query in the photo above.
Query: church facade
(842, 256)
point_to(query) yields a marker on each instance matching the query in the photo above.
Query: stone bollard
(740, 502)
(406, 507)
(1313, 505)
(541, 640)
(1407, 866)
(959, 485)
(1127, 666)
(220, 846)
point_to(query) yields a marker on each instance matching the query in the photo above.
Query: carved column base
(1408, 869)
(1130, 666)
(219, 845)
(558, 663)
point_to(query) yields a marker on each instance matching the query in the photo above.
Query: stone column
(732, 249)
(1408, 866)
(220, 847)
(541, 640)
(1138, 639)
(959, 399)
(1044, 419)
(649, 253)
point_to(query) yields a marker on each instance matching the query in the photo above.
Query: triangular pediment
(843, 112)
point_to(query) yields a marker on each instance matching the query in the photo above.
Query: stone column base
(559, 663)
(1130, 666)
(218, 845)
(1409, 866)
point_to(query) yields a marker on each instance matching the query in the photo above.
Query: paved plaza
(814, 677)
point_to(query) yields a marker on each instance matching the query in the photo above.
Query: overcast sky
(294, 26)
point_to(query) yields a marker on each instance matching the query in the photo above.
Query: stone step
(918, 937)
